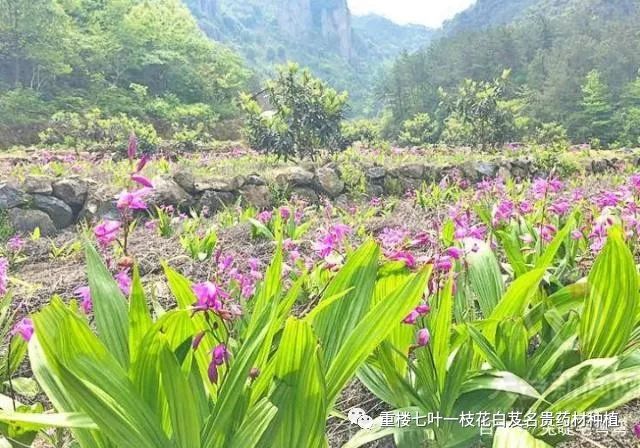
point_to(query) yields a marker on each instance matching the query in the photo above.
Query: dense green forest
(574, 63)
(147, 60)
(74, 71)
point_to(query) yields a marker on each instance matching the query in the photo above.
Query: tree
(596, 108)
(479, 108)
(305, 116)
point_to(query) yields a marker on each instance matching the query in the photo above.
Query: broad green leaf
(110, 307)
(139, 315)
(516, 437)
(483, 275)
(612, 304)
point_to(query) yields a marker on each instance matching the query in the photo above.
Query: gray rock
(72, 191)
(308, 194)
(375, 190)
(486, 169)
(375, 172)
(37, 185)
(258, 196)
(294, 176)
(11, 197)
(218, 184)
(186, 181)
(329, 181)
(26, 221)
(59, 212)
(254, 179)
(215, 201)
(412, 171)
(166, 191)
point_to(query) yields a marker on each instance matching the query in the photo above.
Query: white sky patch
(431, 13)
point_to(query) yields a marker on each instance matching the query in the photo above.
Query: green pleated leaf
(110, 307)
(610, 309)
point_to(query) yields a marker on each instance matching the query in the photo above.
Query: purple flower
(142, 163)
(24, 328)
(209, 296)
(107, 232)
(543, 187)
(503, 212)
(265, 216)
(132, 200)
(225, 263)
(84, 294)
(124, 282)
(4, 276)
(455, 252)
(285, 213)
(636, 430)
(423, 337)
(560, 207)
(635, 183)
(142, 180)
(406, 257)
(133, 146)
(392, 237)
(444, 263)
(219, 356)
(412, 318)
(15, 243)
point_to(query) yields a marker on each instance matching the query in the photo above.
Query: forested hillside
(574, 63)
(148, 60)
(346, 51)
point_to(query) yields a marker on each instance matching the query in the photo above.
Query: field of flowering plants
(496, 313)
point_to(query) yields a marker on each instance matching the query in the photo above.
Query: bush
(367, 132)
(304, 118)
(550, 134)
(420, 130)
(84, 130)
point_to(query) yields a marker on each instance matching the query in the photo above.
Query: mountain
(484, 14)
(344, 50)
(552, 48)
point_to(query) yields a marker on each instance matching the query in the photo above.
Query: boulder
(254, 179)
(26, 221)
(375, 173)
(294, 176)
(486, 169)
(215, 201)
(329, 181)
(186, 180)
(258, 196)
(412, 171)
(37, 185)
(166, 191)
(306, 193)
(11, 197)
(219, 184)
(59, 212)
(72, 191)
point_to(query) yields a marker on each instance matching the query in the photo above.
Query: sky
(431, 13)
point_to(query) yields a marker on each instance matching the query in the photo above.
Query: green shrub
(304, 118)
(367, 132)
(91, 128)
(420, 130)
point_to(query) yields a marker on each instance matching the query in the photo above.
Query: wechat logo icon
(358, 417)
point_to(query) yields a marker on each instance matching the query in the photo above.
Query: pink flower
(15, 243)
(423, 337)
(455, 252)
(24, 328)
(636, 430)
(285, 213)
(219, 356)
(133, 146)
(142, 163)
(124, 282)
(635, 183)
(265, 216)
(547, 232)
(142, 180)
(132, 200)
(107, 232)
(503, 212)
(391, 238)
(84, 294)
(209, 296)
(543, 187)
(412, 318)
(423, 309)
(4, 276)
(560, 207)
(444, 263)
(576, 235)
(408, 258)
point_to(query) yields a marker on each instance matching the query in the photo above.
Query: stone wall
(53, 205)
